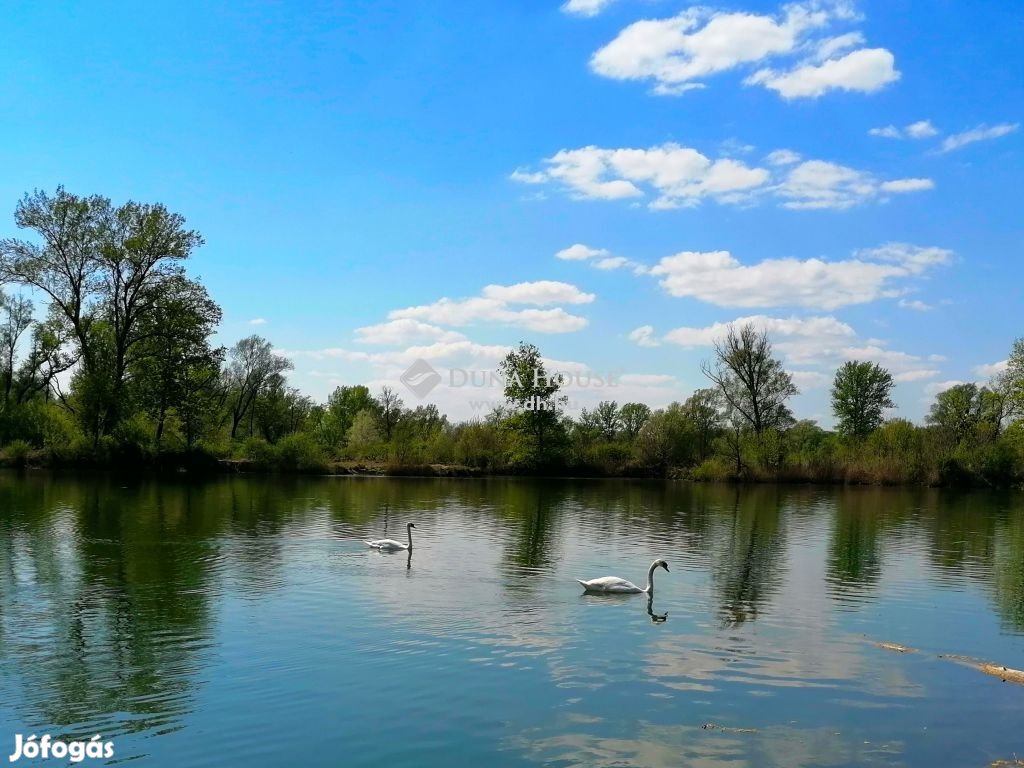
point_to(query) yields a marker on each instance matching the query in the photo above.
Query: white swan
(390, 545)
(615, 584)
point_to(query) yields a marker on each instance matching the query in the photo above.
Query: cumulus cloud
(644, 336)
(586, 7)
(806, 327)
(679, 53)
(980, 133)
(782, 157)
(907, 185)
(811, 347)
(817, 184)
(988, 370)
(599, 258)
(580, 252)
(922, 129)
(866, 70)
(404, 331)
(494, 307)
(257, 321)
(674, 176)
(540, 292)
(717, 277)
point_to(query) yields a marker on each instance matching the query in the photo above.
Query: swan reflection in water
(657, 618)
(616, 597)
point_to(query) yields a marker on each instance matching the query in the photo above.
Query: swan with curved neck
(390, 545)
(615, 584)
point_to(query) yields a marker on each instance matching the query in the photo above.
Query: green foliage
(537, 436)
(300, 452)
(752, 381)
(16, 453)
(861, 392)
(120, 311)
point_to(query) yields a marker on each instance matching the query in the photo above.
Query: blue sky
(847, 174)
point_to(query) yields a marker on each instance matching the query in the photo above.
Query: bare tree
(390, 410)
(752, 381)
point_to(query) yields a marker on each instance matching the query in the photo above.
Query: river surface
(243, 621)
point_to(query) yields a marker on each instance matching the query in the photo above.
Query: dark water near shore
(244, 622)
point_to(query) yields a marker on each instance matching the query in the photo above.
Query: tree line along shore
(116, 368)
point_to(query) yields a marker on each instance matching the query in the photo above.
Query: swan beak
(665, 566)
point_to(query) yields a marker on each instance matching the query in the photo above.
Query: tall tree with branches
(751, 380)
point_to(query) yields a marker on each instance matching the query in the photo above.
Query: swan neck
(649, 589)
(409, 531)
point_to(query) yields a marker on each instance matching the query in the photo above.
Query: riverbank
(950, 474)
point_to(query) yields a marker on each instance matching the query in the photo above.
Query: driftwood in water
(895, 647)
(727, 729)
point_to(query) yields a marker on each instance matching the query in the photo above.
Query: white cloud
(646, 379)
(915, 259)
(539, 292)
(887, 132)
(404, 331)
(916, 304)
(922, 129)
(907, 185)
(680, 52)
(644, 336)
(717, 277)
(865, 70)
(980, 133)
(257, 321)
(988, 370)
(493, 307)
(830, 46)
(794, 327)
(525, 177)
(811, 347)
(817, 184)
(612, 262)
(805, 380)
(679, 177)
(782, 157)
(586, 7)
(918, 374)
(580, 252)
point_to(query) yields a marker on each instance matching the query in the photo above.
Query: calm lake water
(244, 622)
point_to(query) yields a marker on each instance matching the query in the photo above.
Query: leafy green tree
(665, 440)
(534, 394)
(342, 406)
(252, 364)
(957, 412)
(703, 409)
(609, 420)
(1014, 377)
(103, 269)
(280, 410)
(175, 359)
(861, 392)
(363, 436)
(15, 319)
(751, 380)
(633, 417)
